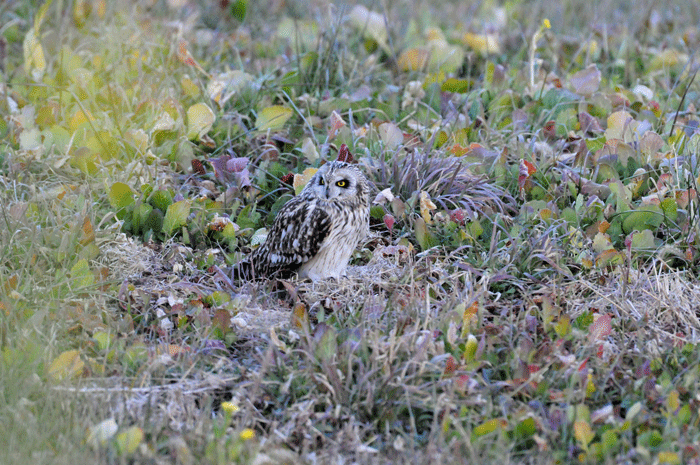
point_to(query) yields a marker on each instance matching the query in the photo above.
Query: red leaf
(458, 216)
(287, 179)
(601, 327)
(198, 167)
(344, 154)
(526, 170)
(389, 222)
(583, 365)
(450, 366)
(550, 130)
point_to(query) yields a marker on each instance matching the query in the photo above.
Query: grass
(528, 294)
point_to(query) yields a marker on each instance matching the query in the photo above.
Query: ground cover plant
(528, 292)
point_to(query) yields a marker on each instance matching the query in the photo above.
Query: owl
(316, 232)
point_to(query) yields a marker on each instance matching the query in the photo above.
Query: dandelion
(546, 23)
(247, 434)
(229, 407)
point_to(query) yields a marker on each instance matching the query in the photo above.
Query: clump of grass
(448, 180)
(486, 345)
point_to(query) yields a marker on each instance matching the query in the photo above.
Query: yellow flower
(247, 434)
(546, 24)
(229, 407)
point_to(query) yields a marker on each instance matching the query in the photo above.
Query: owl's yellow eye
(321, 181)
(342, 183)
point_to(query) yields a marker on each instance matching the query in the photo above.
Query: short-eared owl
(316, 232)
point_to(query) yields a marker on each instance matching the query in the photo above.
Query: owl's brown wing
(295, 237)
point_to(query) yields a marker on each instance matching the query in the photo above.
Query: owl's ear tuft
(344, 154)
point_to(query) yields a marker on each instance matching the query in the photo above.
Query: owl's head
(338, 180)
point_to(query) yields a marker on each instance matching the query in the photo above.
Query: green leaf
(610, 441)
(248, 217)
(327, 345)
(120, 195)
(643, 240)
(140, 217)
(426, 239)
(459, 86)
(161, 199)
(645, 217)
(84, 159)
(128, 441)
(176, 216)
(526, 428)
(670, 208)
(103, 339)
(273, 118)
(200, 119)
(154, 222)
(486, 427)
(67, 364)
(81, 274)
(239, 9)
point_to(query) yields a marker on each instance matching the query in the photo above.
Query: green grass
(528, 296)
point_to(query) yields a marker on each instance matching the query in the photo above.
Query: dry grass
(506, 342)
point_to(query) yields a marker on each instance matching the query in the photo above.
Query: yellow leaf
(165, 122)
(102, 432)
(470, 348)
(563, 326)
(79, 118)
(673, 401)
(300, 316)
(101, 8)
(66, 365)
(443, 56)
(189, 87)
(391, 135)
(34, 61)
(273, 118)
(129, 440)
(81, 274)
(470, 316)
(583, 433)
(300, 180)
(81, 11)
(426, 206)
(41, 14)
(371, 24)
(200, 118)
(590, 386)
(669, 457)
(413, 59)
(621, 125)
(308, 148)
(609, 257)
(488, 427)
(224, 86)
(259, 237)
(669, 58)
(602, 243)
(484, 44)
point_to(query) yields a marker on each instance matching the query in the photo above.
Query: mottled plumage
(315, 232)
